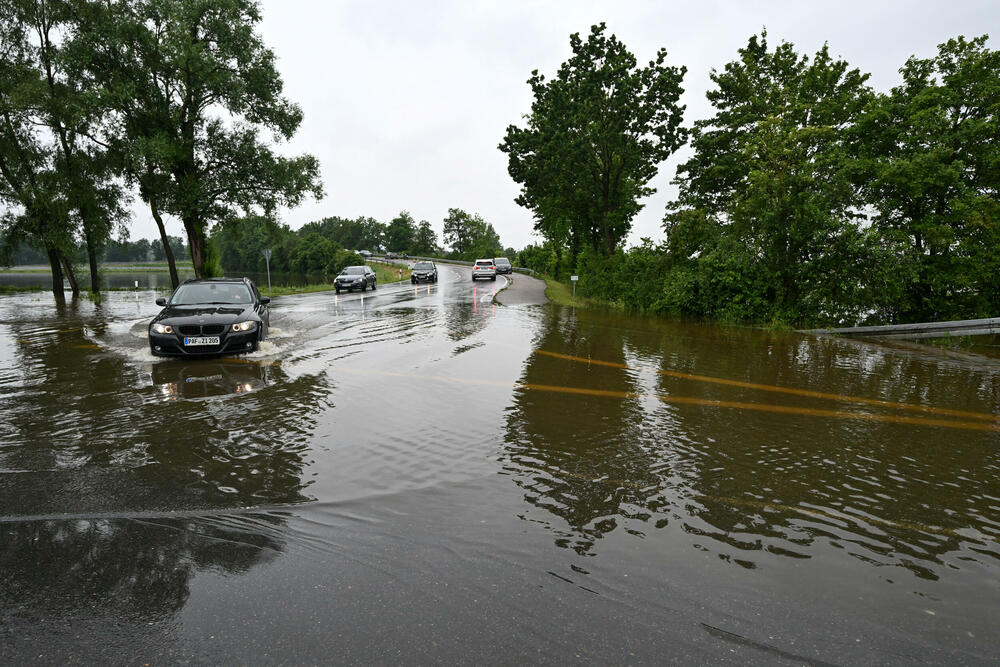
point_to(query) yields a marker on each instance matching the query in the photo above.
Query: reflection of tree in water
(755, 483)
(887, 493)
(582, 458)
(132, 452)
(89, 433)
(117, 570)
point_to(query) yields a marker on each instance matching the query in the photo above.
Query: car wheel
(493, 277)
(338, 290)
(373, 285)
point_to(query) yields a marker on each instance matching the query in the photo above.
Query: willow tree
(594, 140)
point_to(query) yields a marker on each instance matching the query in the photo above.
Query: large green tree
(594, 140)
(72, 115)
(469, 236)
(932, 173)
(36, 208)
(766, 223)
(194, 120)
(425, 240)
(401, 232)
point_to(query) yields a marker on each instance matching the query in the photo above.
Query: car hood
(205, 314)
(349, 276)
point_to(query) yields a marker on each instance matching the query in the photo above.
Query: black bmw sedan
(210, 316)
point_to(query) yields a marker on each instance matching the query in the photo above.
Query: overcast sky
(405, 102)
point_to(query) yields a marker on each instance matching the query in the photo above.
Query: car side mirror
(264, 300)
(161, 301)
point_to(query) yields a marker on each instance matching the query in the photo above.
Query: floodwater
(420, 475)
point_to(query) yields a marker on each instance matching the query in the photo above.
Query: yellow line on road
(704, 402)
(780, 409)
(786, 390)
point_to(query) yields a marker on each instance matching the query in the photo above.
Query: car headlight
(162, 328)
(245, 326)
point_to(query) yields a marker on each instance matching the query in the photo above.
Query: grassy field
(385, 272)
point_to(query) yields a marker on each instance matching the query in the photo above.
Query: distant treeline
(324, 247)
(809, 197)
(141, 250)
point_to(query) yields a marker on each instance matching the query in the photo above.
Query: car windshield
(199, 293)
(502, 260)
(423, 266)
(353, 271)
(484, 263)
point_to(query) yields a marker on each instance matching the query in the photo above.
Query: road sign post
(267, 260)
(574, 279)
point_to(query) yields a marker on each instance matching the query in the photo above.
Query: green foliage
(313, 254)
(469, 236)
(192, 96)
(341, 259)
(930, 168)
(595, 137)
(400, 233)
(143, 250)
(359, 234)
(768, 199)
(425, 241)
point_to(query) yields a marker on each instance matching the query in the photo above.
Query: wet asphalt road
(422, 475)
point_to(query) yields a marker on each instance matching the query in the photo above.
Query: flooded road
(420, 475)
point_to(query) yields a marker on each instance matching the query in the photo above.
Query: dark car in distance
(355, 277)
(503, 265)
(210, 316)
(424, 272)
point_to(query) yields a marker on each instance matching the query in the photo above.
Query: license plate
(203, 340)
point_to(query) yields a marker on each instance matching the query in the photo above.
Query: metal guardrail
(919, 330)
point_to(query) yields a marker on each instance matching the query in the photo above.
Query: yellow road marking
(704, 402)
(786, 390)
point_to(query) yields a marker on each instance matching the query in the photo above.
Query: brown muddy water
(423, 476)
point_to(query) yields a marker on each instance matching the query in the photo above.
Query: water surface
(421, 475)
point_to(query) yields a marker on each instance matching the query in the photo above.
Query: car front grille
(195, 330)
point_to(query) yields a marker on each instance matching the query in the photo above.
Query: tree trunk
(95, 278)
(58, 291)
(196, 241)
(70, 276)
(174, 279)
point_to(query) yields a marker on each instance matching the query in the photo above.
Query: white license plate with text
(202, 340)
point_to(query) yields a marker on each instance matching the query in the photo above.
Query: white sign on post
(574, 279)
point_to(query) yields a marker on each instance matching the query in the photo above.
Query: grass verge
(384, 274)
(562, 294)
